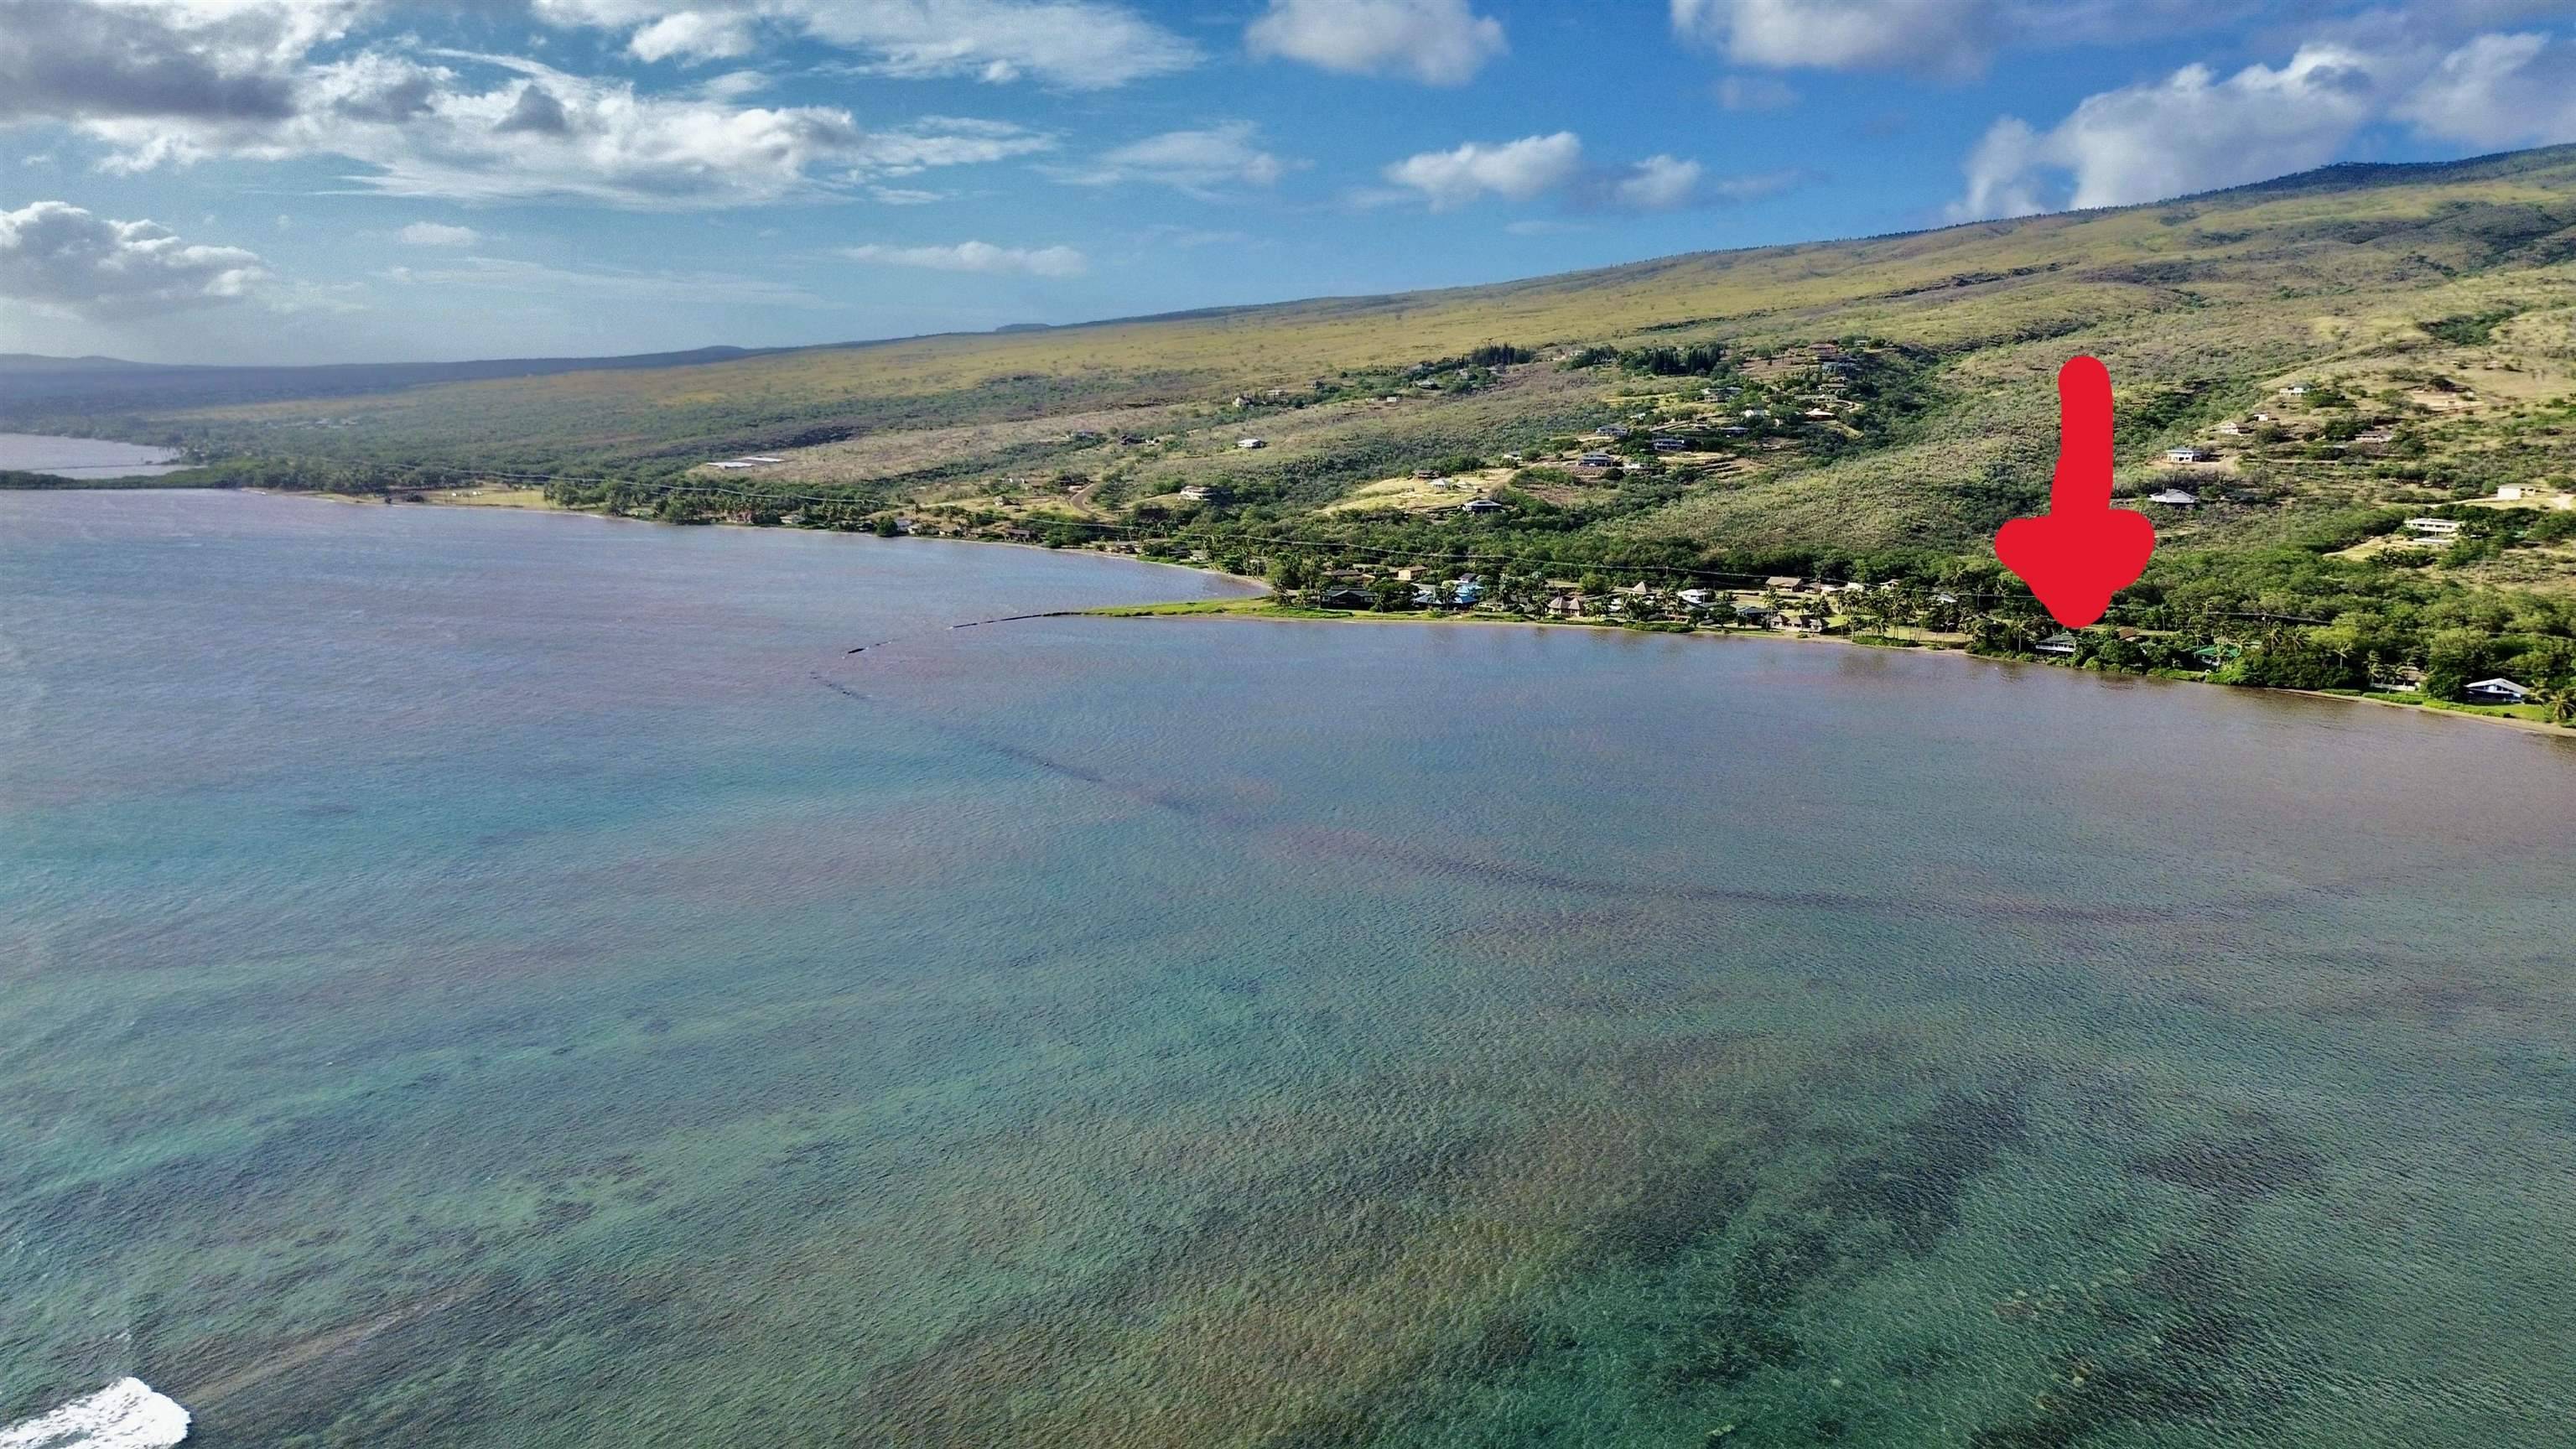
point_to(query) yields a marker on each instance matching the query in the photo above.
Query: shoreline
(1259, 610)
(1263, 606)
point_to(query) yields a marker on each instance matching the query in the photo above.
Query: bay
(84, 458)
(500, 980)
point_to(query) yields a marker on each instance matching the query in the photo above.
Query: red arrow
(2082, 551)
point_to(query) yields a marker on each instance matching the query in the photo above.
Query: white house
(2174, 497)
(2434, 527)
(2188, 455)
(2296, 389)
(2496, 691)
(2061, 645)
(1248, 444)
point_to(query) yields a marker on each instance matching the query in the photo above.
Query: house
(1698, 598)
(1346, 596)
(1480, 505)
(2189, 455)
(1425, 475)
(1466, 591)
(2231, 430)
(2265, 418)
(1596, 460)
(1785, 583)
(1753, 614)
(1565, 606)
(1818, 415)
(1614, 432)
(2496, 691)
(1205, 493)
(2174, 497)
(2217, 655)
(735, 466)
(1669, 445)
(2296, 389)
(2434, 527)
(1249, 444)
(2060, 644)
(763, 458)
(1757, 412)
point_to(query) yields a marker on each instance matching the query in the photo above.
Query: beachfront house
(2060, 644)
(1347, 596)
(2496, 691)
(1698, 598)
(1785, 583)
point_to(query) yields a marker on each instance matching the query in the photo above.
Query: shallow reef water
(515, 981)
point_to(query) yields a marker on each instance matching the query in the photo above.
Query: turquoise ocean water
(470, 979)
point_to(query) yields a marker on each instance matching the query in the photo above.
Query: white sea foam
(127, 1414)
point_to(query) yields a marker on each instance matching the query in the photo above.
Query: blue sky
(335, 180)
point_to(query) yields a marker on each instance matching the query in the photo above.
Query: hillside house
(2296, 389)
(2188, 454)
(2434, 527)
(2174, 498)
(2231, 430)
(1480, 505)
(1596, 460)
(2496, 691)
(1251, 444)
(1669, 445)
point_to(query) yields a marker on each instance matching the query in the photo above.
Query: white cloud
(1954, 38)
(492, 274)
(61, 258)
(2498, 91)
(975, 256)
(1199, 162)
(1658, 183)
(1754, 93)
(432, 130)
(1516, 170)
(693, 35)
(234, 60)
(1438, 42)
(1078, 44)
(2190, 132)
(438, 234)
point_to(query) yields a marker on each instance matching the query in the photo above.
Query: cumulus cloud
(1515, 170)
(1199, 162)
(205, 59)
(63, 259)
(2197, 131)
(2498, 91)
(432, 130)
(439, 234)
(1658, 183)
(2192, 131)
(1438, 42)
(976, 256)
(1944, 37)
(1078, 44)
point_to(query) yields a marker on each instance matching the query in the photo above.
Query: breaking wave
(127, 1414)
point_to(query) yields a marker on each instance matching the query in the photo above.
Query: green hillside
(2424, 315)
